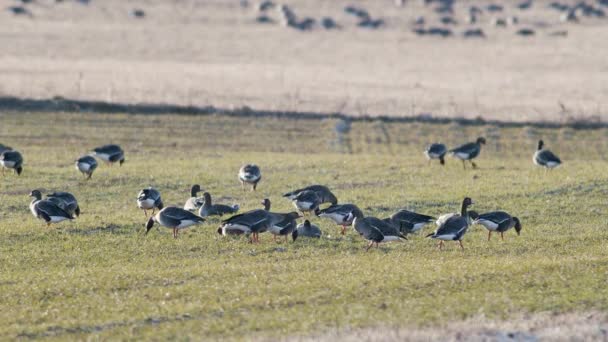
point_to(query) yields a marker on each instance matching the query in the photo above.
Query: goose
(340, 214)
(452, 227)
(209, 209)
(468, 151)
(47, 210)
(110, 154)
(436, 151)
(498, 221)
(545, 158)
(283, 228)
(12, 159)
(409, 222)
(65, 201)
(375, 230)
(86, 165)
(253, 223)
(149, 199)
(323, 192)
(250, 174)
(308, 230)
(306, 201)
(174, 218)
(194, 203)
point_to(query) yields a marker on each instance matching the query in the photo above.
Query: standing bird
(11, 159)
(174, 218)
(468, 151)
(47, 210)
(498, 221)
(210, 209)
(308, 230)
(283, 228)
(545, 158)
(340, 214)
(194, 203)
(65, 201)
(375, 230)
(306, 201)
(323, 192)
(409, 222)
(86, 165)
(149, 199)
(110, 154)
(250, 174)
(452, 227)
(436, 151)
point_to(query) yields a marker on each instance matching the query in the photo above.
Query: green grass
(100, 277)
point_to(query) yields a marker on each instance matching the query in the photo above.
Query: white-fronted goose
(65, 201)
(86, 165)
(452, 227)
(283, 228)
(498, 221)
(409, 222)
(250, 174)
(12, 159)
(468, 151)
(323, 192)
(174, 218)
(545, 158)
(340, 214)
(306, 201)
(194, 203)
(210, 209)
(436, 151)
(149, 199)
(46, 210)
(110, 154)
(253, 223)
(307, 230)
(375, 230)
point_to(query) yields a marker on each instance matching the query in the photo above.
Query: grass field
(100, 277)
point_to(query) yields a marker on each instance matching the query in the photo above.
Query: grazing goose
(253, 223)
(306, 201)
(194, 203)
(308, 230)
(498, 221)
(174, 218)
(545, 158)
(323, 192)
(375, 230)
(209, 209)
(110, 154)
(436, 151)
(47, 210)
(452, 227)
(468, 151)
(149, 199)
(65, 201)
(283, 228)
(340, 214)
(86, 165)
(11, 159)
(409, 222)
(250, 174)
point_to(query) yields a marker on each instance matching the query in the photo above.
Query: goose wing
(386, 228)
(497, 217)
(453, 226)
(545, 157)
(369, 232)
(47, 209)
(177, 215)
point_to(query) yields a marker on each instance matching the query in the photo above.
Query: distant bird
(138, 13)
(341, 214)
(250, 174)
(436, 151)
(265, 5)
(525, 5)
(47, 210)
(174, 218)
(308, 230)
(65, 201)
(439, 31)
(194, 203)
(252, 223)
(325, 195)
(110, 154)
(329, 23)
(357, 11)
(468, 151)
(86, 165)
(149, 199)
(284, 228)
(448, 20)
(11, 159)
(494, 8)
(474, 33)
(375, 230)
(20, 10)
(498, 221)
(409, 222)
(545, 158)
(210, 209)
(452, 227)
(526, 32)
(306, 201)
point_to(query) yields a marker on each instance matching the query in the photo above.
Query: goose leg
(461, 246)
(440, 245)
(369, 245)
(502, 237)
(274, 238)
(464, 165)
(489, 234)
(286, 240)
(343, 230)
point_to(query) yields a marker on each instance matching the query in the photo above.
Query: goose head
(195, 190)
(36, 194)
(121, 161)
(481, 141)
(219, 230)
(540, 144)
(266, 204)
(467, 202)
(207, 198)
(150, 224)
(517, 225)
(294, 234)
(19, 169)
(473, 215)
